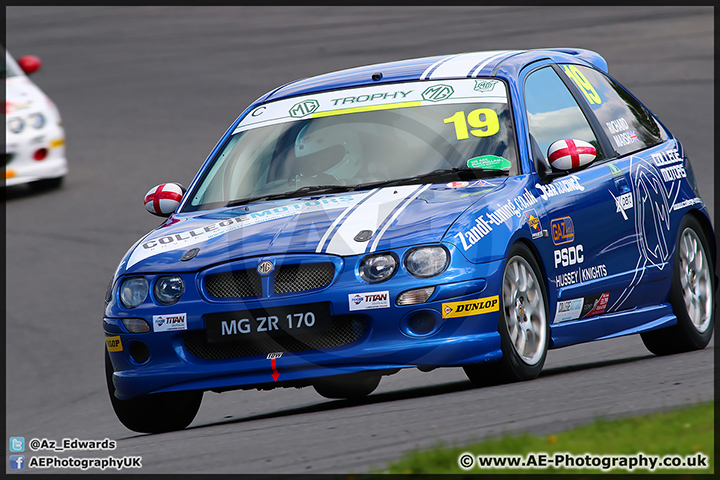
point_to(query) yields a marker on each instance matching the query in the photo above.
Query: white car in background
(34, 136)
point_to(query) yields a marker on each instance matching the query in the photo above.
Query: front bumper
(374, 340)
(21, 167)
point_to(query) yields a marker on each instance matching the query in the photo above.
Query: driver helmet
(331, 149)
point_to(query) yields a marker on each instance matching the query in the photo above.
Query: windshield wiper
(300, 192)
(462, 173)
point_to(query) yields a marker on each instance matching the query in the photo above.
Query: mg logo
(306, 107)
(437, 93)
(265, 267)
(485, 85)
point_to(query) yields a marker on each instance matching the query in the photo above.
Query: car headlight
(427, 262)
(134, 291)
(36, 120)
(168, 290)
(16, 124)
(378, 268)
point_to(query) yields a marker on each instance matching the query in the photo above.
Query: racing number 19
(484, 126)
(583, 84)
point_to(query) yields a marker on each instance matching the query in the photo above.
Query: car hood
(22, 95)
(340, 224)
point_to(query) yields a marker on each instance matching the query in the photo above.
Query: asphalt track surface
(145, 92)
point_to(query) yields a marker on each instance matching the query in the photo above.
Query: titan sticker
(170, 323)
(471, 307)
(369, 301)
(113, 344)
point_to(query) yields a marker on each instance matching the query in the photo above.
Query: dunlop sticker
(113, 344)
(471, 307)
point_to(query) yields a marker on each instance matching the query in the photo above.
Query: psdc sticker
(471, 307)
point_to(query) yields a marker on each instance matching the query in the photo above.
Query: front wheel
(692, 295)
(47, 184)
(348, 386)
(523, 324)
(159, 412)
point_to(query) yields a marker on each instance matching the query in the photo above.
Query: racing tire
(523, 324)
(47, 184)
(156, 413)
(692, 295)
(348, 386)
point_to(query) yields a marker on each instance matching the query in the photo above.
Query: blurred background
(145, 92)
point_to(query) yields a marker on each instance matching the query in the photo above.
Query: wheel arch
(538, 258)
(551, 300)
(709, 235)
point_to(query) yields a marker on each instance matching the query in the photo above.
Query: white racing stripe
(330, 229)
(426, 74)
(482, 65)
(376, 240)
(464, 64)
(367, 216)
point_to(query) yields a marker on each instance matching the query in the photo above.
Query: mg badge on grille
(265, 267)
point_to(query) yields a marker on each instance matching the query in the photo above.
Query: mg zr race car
(470, 210)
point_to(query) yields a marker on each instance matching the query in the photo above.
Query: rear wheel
(159, 412)
(523, 323)
(352, 385)
(692, 295)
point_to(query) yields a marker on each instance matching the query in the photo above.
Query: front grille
(302, 277)
(237, 284)
(345, 330)
(288, 279)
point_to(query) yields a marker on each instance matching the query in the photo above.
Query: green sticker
(489, 162)
(616, 172)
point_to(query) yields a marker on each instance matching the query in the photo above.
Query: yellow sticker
(113, 344)
(9, 173)
(583, 84)
(486, 125)
(367, 108)
(471, 307)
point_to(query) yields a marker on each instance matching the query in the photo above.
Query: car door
(651, 165)
(591, 235)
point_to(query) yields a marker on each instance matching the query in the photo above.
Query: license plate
(273, 322)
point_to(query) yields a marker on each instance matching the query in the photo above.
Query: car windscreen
(362, 137)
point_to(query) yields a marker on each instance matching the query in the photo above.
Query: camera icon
(17, 444)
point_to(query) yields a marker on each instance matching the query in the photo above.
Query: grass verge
(685, 432)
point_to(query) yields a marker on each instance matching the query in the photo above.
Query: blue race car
(470, 210)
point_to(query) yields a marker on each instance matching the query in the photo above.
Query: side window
(553, 114)
(628, 125)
